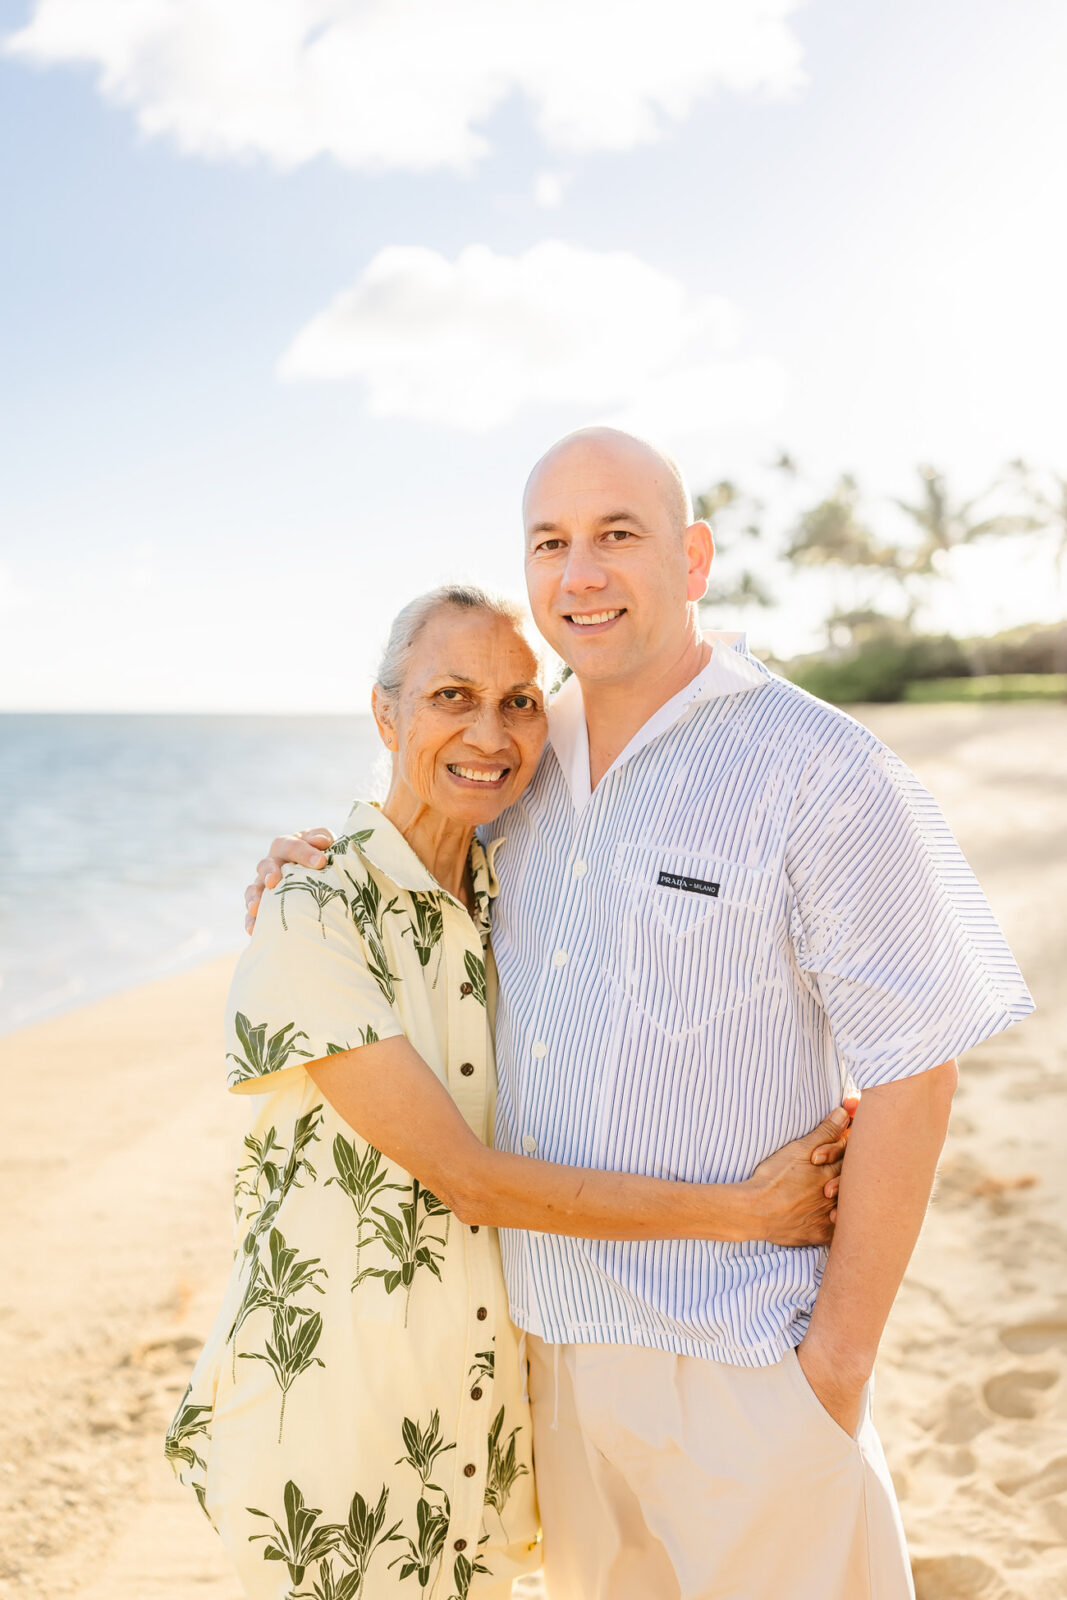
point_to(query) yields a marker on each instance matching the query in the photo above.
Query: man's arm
(893, 1150)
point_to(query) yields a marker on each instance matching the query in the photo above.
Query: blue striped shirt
(758, 904)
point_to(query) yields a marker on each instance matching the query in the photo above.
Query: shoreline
(119, 1176)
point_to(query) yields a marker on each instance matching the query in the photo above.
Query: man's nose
(583, 570)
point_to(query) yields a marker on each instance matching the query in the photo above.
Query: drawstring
(555, 1384)
(524, 1367)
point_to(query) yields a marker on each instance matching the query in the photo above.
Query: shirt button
(469, 1470)
(475, 1226)
(529, 1144)
(481, 1313)
(560, 958)
(540, 1050)
(580, 869)
(476, 1393)
(467, 1069)
(460, 1544)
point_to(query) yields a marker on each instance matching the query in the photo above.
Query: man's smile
(594, 620)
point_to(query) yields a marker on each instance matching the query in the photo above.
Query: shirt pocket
(688, 924)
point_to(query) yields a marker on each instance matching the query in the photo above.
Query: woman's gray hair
(409, 623)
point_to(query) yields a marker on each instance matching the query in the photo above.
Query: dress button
(469, 1470)
(476, 1393)
(560, 958)
(540, 1050)
(466, 989)
(580, 869)
(529, 1144)
(475, 1226)
(481, 1313)
(467, 1069)
(460, 1544)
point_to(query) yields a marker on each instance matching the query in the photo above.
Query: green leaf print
(483, 1365)
(299, 1543)
(369, 914)
(319, 890)
(462, 1574)
(272, 1285)
(363, 1180)
(290, 1351)
(277, 1169)
(359, 839)
(190, 1422)
(263, 1055)
(504, 1468)
(328, 1586)
(407, 1242)
(475, 968)
(424, 1445)
(428, 929)
(362, 1534)
(424, 1551)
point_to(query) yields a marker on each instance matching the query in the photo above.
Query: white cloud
(408, 83)
(469, 342)
(549, 188)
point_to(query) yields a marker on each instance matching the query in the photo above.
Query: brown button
(481, 1313)
(460, 1544)
(467, 1069)
(474, 1227)
(476, 1393)
(469, 1470)
(466, 988)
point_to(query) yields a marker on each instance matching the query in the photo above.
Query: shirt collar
(381, 843)
(731, 670)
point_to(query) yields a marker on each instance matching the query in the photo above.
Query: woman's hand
(305, 849)
(794, 1191)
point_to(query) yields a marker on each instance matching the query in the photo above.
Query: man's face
(609, 574)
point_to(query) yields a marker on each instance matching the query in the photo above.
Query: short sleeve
(304, 987)
(889, 923)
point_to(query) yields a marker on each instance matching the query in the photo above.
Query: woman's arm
(388, 1094)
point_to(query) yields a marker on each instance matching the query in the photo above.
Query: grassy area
(1009, 686)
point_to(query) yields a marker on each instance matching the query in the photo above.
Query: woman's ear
(383, 716)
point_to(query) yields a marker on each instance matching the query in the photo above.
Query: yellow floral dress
(355, 1427)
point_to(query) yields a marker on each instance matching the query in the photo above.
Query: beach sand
(116, 1203)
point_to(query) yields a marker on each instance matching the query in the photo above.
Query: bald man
(721, 903)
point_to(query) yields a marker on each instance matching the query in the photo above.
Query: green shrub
(1004, 686)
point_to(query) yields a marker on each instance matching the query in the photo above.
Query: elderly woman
(357, 1418)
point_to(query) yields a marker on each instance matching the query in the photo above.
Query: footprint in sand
(1015, 1394)
(1050, 1480)
(1034, 1338)
(953, 1577)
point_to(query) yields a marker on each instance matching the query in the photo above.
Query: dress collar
(731, 670)
(369, 831)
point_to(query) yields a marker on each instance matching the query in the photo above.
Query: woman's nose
(485, 731)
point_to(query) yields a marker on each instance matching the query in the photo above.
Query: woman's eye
(524, 702)
(451, 695)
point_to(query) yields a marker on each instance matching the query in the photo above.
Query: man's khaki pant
(664, 1477)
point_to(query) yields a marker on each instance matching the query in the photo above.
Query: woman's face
(468, 725)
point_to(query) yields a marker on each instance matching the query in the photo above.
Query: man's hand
(305, 849)
(794, 1191)
(839, 1393)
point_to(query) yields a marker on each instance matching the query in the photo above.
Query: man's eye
(549, 545)
(618, 534)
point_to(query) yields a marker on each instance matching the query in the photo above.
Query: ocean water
(127, 840)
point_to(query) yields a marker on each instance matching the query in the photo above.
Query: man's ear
(383, 716)
(700, 552)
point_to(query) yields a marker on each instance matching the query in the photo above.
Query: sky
(294, 292)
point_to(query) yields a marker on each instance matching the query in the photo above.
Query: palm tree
(945, 523)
